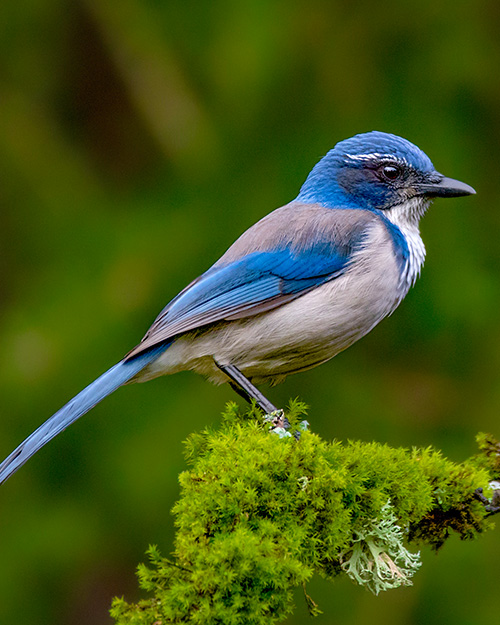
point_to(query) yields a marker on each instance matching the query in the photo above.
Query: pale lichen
(378, 559)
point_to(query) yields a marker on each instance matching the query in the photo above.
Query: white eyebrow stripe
(376, 156)
(369, 157)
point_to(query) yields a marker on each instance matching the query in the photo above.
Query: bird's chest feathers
(405, 217)
(370, 289)
(415, 259)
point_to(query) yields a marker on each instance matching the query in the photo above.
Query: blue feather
(252, 281)
(77, 407)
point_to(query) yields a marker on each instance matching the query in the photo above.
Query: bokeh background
(138, 139)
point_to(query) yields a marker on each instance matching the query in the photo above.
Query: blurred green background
(138, 139)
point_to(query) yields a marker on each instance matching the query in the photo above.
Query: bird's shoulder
(300, 226)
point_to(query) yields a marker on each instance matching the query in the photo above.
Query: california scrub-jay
(298, 287)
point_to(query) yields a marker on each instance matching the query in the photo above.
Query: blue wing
(292, 250)
(247, 286)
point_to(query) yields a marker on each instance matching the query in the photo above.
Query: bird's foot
(278, 423)
(492, 506)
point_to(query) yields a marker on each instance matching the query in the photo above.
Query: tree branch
(260, 515)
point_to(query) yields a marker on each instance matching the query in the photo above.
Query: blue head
(378, 171)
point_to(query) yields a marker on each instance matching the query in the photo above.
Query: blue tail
(75, 408)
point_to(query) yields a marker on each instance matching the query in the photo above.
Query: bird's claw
(278, 423)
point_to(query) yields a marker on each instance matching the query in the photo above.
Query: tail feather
(75, 408)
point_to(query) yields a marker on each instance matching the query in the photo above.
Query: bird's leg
(245, 388)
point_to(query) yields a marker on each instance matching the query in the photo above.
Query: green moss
(260, 514)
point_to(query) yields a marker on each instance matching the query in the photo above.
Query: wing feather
(259, 280)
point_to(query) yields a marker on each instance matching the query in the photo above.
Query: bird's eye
(391, 172)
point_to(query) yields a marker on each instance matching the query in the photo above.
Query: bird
(298, 287)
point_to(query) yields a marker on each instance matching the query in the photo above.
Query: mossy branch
(260, 514)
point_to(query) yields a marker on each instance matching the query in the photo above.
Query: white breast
(406, 217)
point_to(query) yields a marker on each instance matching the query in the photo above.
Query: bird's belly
(294, 337)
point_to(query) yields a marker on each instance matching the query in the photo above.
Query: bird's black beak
(445, 187)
